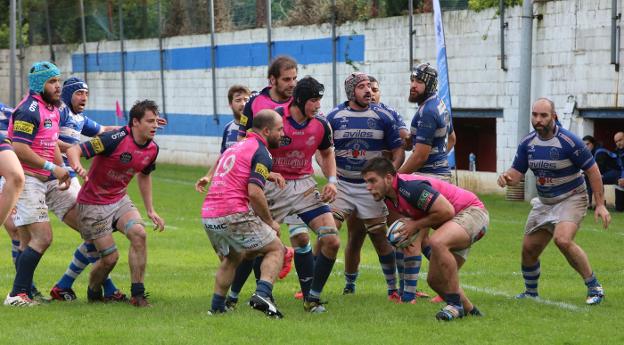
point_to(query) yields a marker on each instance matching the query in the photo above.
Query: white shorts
(353, 197)
(297, 197)
(239, 231)
(544, 216)
(96, 221)
(37, 196)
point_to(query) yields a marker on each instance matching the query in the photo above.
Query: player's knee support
(376, 228)
(323, 231)
(133, 222)
(296, 229)
(108, 251)
(303, 250)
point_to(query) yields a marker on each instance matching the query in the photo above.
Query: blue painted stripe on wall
(178, 124)
(313, 51)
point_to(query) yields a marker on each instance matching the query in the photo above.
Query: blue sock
(242, 273)
(218, 303)
(531, 276)
(412, 268)
(426, 252)
(257, 265)
(592, 282)
(453, 299)
(350, 279)
(322, 270)
(388, 266)
(26, 265)
(15, 250)
(399, 257)
(137, 289)
(304, 265)
(109, 287)
(264, 289)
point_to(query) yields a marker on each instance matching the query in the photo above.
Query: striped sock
(80, 260)
(350, 279)
(412, 268)
(388, 266)
(398, 255)
(592, 282)
(15, 250)
(531, 276)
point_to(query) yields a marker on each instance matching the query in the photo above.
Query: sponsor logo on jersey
(262, 170)
(285, 141)
(24, 127)
(424, 199)
(243, 120)
(360, 133)
(98, 146)
(118, 135)
(125, 157)
(33, 106)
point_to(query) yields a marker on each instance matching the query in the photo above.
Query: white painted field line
(170, 180)
(493, 292)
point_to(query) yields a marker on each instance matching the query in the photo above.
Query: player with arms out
(103, 203)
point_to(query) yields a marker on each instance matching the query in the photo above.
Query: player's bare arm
(259, 205)
(595, 181)
(328, 166)
(511, 177)
(145, 187)
(416, 160)
(440, 212)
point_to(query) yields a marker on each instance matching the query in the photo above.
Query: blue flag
(444, 90)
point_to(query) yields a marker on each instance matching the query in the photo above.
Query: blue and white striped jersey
(431, 126)
(360, 135)
(5, 115)
(230, 134)
(398, 119)
(556, 164)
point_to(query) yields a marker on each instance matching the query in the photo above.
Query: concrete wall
(571, 56)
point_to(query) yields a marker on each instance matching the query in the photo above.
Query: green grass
(182, 265)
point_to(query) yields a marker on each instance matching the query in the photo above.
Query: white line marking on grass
(540, 300)
(493, 292)
(170, 180)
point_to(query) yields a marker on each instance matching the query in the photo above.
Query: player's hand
(602, 213)
(278, 179)
(80, 171)
(62, 175)
(201, 184)
(159, 223)
(504, 179)
(407, 143)
(621, 182)
(408, 230)
(329, 192)
(276, 227)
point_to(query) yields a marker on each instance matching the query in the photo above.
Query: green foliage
(182, 265)
(480, 5)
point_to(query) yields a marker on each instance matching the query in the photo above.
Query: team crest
(285, 141)
(371, 123)
(47, 123)
(125, 157)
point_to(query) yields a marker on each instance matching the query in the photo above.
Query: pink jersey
(35, 123)
(417, 193)
(117, 159)
(259, 102)
(293, 159)
(247, 161)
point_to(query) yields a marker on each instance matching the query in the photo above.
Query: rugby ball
(395, 239)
